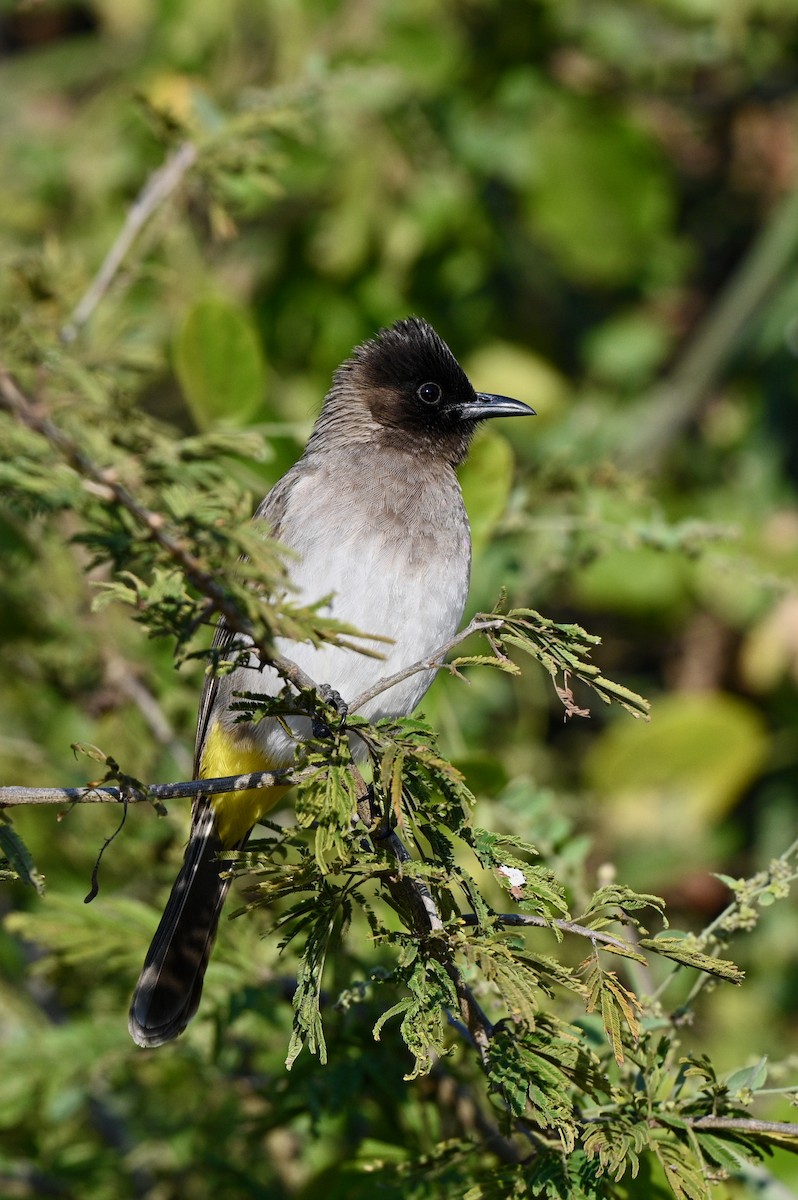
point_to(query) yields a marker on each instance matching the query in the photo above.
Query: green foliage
(486, 479)
(562, 649)
(219, 364)
(16, 861)
(693, 762)
(587, 157)
(593, 203)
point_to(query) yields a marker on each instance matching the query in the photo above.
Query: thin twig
(159, 186)
(594, 935)
(705, 937)
(433, 663)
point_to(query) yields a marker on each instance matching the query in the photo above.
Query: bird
(374, 517)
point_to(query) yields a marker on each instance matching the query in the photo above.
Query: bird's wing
(271, 510)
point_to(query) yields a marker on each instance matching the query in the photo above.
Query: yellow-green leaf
(486, 479)
(219, 362)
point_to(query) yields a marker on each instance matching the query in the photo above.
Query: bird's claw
(321, 729)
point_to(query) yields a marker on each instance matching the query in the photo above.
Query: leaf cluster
(581, 198)
(607, 1099)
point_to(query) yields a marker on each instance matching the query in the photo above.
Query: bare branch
(745, 1125)
(433, 663)
(12, 797)
(679, 399)
(292, 673)
(594, 935)
(159, 186)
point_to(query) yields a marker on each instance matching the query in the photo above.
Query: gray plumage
(374, 513)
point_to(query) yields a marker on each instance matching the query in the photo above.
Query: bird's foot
(321, 729)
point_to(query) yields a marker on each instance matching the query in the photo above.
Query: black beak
(485, 405)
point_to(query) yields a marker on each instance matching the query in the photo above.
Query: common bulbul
(374, 516)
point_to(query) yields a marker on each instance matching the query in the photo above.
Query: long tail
(170, 985)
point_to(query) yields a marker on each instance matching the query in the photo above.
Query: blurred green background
(594, 203)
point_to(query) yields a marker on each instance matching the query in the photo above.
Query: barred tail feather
(170, 985)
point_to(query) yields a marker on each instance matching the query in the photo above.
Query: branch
(159, 186)
(711, 937)
(12, 797)
(292, 673)
(745, 1125)
(414, 896)
(784, 1129)
(475, 1020)
(594, 935)
(664, 415)
(153, 523)
(433, 663)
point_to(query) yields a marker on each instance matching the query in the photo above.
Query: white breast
(395, 564)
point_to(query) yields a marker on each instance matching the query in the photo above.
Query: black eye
(430, 393)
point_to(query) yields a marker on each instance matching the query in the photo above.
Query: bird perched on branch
(374, 515)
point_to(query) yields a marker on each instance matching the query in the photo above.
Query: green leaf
(535, 1072)
(683, 1171)
(616, 1004)
(486, 479)
(564, 650)
(684, 951)
(424, 1028)
(617, 1145)
(618, 895)
(326, 915)
(16, 855)
(219, 362)
(723, 1152)
(681, 773)
(587, 160)
(748, 1078)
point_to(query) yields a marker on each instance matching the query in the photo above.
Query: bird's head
(405, 388)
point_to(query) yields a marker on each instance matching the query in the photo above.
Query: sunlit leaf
(219, 362)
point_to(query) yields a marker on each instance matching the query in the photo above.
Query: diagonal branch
(433, 663)
(674, 403)
(13, 796)
(415, 899)
(13, 400)
(158, 188)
